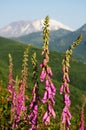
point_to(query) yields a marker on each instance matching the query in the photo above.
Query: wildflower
(17, 90)
(64, 89)
(45, 76)
(35, 96)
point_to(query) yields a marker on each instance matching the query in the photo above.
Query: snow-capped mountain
(19, 28)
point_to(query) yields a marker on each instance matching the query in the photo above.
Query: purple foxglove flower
(33, 90)
(44, 62)
(42, 76)
(18, 119)
(49, 91)
(53, 87)
(10, 88)
(64, 77)
(45, 116)
(67, 100)
(33, 121)
(35, 109)
(63, 70)
(49, 71)
(69, 114)
(67, 89)
(61, 89)
(44, 99)
(68, 79)
(41, 65)
(30, 115)
(66, 116)
(65, 84)
(52, 100)
(51, 111)
(47, 121)
(18, 109)
(47, 83)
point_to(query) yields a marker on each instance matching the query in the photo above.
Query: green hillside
(77, 72)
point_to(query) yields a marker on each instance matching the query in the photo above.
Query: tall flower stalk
(21, 96)
(45, 76)
(33, 116)
(11, 88)
(17, 91)
(66, 115)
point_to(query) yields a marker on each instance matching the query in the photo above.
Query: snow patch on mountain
(16, 29)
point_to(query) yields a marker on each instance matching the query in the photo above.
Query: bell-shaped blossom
(61, 89)
(42, 76)
(44, 99)
(49, 71)
(66, 116)
(51, 111)
(67, 100)
(46, 118)
(53, 88)
(10, 88)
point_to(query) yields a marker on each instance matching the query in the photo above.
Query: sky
(69, 12)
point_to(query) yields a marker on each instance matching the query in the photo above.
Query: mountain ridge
(60, 40)
(20, 28)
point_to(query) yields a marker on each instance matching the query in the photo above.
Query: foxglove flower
(33, 116)
(17, 91)
(42, 76)
(66, 115)
(45, 76)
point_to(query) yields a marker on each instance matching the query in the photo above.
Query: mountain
(19, 28)
(36, 38)
(60, 40)
(63, 43)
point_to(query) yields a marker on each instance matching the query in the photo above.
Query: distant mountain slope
(36, 38)
(64, 42)
(60, 40)
(20, 28)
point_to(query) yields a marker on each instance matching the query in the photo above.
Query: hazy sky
(69, 12)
